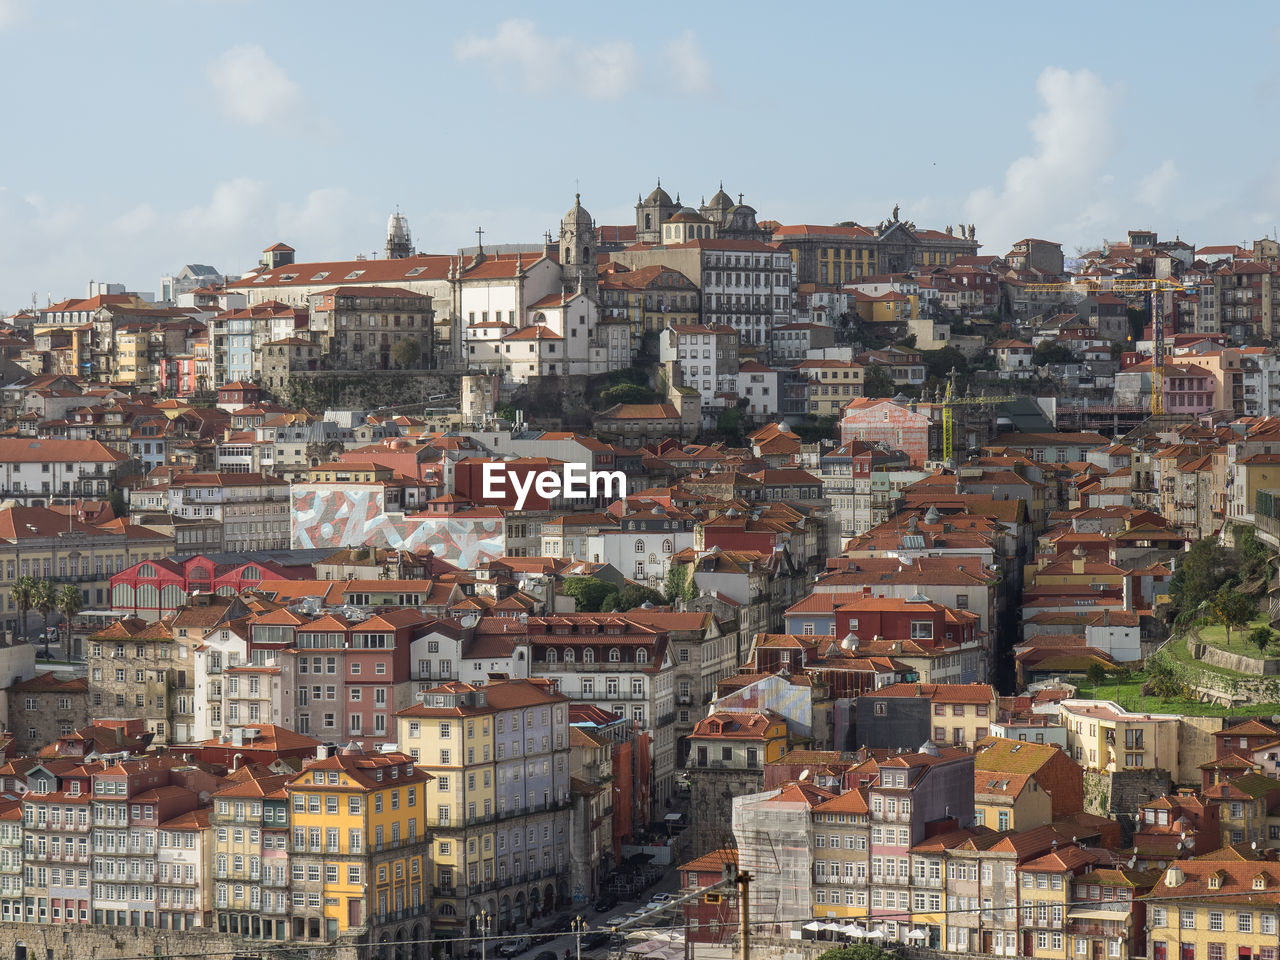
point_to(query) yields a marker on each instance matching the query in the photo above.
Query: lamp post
(579, 927)
(482, 924)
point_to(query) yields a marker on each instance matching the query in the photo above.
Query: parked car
(546, 955)
(658, 901)
(512, 947)
(597, 938)
(606, 901)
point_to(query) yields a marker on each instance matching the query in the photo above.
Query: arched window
(589, 655)
(568, 655)
(146, 570)
(642, 656)
(639, 546)
(551, 656)
(614, 655)
(586, 254)
(667, 546)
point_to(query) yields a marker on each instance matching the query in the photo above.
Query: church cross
(480, 237)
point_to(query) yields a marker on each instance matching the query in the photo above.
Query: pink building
(897, 425)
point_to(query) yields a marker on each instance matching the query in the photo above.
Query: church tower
(652, 212)
(399, 243)
(578, 250)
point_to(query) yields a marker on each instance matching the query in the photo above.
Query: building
(498, 804)
(702, 357)
(832, 384)
(895, 425)
(249, 854)
(1103, 736)
(38, 472)
(44, 708)
(1207, 908)
(623, 668)
(361, 851)
(253, 510)
(727, 753)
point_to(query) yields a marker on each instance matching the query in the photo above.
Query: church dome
(721, 199)
(658, 196)
(578, 213)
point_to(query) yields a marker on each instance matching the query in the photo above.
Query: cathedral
(661, 220)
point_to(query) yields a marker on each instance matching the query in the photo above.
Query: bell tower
(578, 250)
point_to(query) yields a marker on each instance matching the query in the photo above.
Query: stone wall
(1236, 662)
(1117, 795)
(63, 941)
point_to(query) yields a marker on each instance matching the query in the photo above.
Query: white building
(642, 546)
(33, 471)
(253, 510)
(706, 357)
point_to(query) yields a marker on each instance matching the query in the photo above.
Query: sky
(143, 135)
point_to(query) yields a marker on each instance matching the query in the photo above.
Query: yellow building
(888, 307)
(1009, 801)
(1105, 737)
(354, 471)
(832, 384)
(249, 822)
(841, 828)
(1044, 893)
(499, 802)
(1207, 909)
(360, 851)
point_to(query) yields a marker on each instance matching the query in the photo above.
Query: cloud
(687, 64)
(251, 87)
(544, 65)
(1153, 189)
(54, 247)
(1059, 187)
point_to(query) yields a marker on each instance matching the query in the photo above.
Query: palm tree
(23, 590)
(69, 601)
(43, 600)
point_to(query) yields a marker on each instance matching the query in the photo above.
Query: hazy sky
(142, 135)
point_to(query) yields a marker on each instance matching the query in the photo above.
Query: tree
(22, 593)
(1047, 352)
(69, 601)
(589, 592)
(505, 411)
(1096, 674)
(876, 381)
(1261, 638)
(680, 585)
(626, 393)
(730, 423)
(634, 594)
(1203, 570)
(407, 353)
(1231, 608)
(1164, 678)
(44, 601)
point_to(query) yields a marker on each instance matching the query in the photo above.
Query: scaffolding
(774, 833)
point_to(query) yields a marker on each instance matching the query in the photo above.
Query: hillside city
(918, 594)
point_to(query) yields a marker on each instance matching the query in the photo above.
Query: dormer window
(615, 655)
(1259, 883)
(1215, 882)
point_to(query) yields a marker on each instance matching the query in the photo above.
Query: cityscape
(785, 575)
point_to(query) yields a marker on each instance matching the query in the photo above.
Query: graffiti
(355, 518)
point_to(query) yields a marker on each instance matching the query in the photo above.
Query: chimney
(1127, 592)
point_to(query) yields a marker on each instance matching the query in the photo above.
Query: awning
(1114, 915)
(673, 817)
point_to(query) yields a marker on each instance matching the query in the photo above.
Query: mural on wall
(355, 518)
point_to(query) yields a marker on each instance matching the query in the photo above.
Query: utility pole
(744, 912)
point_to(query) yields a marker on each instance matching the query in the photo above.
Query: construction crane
(1155, 289)
(949, 402)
